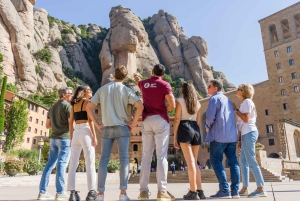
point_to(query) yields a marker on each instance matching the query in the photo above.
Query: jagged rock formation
(184, 57)
(126, 44)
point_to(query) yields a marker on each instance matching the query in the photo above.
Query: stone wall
(272, 164)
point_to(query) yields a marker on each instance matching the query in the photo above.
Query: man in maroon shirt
(156, 129)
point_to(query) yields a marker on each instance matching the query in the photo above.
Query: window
(34, 108)
(34, 141)
(45, 133)
(28, 140)
(280, 79)
(36, 121)
(135, 147)
(30, 119)
(282, 92)
(271, 142)
(284, 106)
(267, 112)
(291, 62)
(276, 54)
(41, 133)
(42, 123)
(43, 112)
(296, 89)
(293, 75)
(289, 49)
(96, 111)
(35, 130)
(273, 34)
(269, 128)
(297, 22)
(278, 66)
(29, 129)
(285, 28)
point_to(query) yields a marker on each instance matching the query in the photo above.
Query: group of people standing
(69, 138)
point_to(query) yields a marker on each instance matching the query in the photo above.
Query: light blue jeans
(109, 134)
(248, 159)
(60, 154)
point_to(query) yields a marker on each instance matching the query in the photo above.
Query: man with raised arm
(156, 130)
(113, 99)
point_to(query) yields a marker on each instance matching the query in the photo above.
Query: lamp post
(2, 140)
(40, 147)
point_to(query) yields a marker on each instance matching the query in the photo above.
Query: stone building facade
(36, 122)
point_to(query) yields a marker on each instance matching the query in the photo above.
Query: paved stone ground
(283, 191)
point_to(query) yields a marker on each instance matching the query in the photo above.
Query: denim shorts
(189, 132)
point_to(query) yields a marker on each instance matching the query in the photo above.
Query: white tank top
(184, 113)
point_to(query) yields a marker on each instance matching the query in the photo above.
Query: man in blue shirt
(222, 135)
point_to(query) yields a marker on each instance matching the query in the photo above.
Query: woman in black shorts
(187, 135)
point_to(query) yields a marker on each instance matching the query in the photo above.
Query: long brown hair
(79, 94)
(190, 97)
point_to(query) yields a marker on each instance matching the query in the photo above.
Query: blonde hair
(247, 89)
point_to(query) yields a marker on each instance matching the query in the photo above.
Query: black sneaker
(201, 194)
(74, 196)
(92, 195)
(191, 196)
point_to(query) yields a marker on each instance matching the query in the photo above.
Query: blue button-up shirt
(220, 120)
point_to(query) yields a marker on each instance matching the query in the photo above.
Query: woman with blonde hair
(83, 137)
(248, 135)
(187, 135)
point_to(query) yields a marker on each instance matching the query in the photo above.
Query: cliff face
(41, 52)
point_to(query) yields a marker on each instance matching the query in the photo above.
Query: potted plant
(12, 167)
(259, 146)
(32, 166)
(113, 165)
(96, 165)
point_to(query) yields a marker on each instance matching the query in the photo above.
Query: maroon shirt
(154, 91)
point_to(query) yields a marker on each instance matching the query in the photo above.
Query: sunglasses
(240, 89)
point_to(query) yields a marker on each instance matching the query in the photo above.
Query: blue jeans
(217, 149)
(60, 154)
(247, 159)
(109, 134)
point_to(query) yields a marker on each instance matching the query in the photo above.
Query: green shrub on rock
(44, 55)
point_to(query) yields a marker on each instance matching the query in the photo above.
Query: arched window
(135, 147)
(285, 28)
(273, 155)
(273, 34)
(297, 22)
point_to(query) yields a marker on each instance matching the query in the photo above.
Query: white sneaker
(61, 197)
(45, 196)
(123, 197)
(100, 197)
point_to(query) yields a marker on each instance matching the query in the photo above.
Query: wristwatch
(237, 110)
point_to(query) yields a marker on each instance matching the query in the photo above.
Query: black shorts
(188, 132)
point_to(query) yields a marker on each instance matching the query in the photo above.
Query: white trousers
(155, 134)
(82, 139)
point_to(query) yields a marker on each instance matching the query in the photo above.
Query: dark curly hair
(79, 94)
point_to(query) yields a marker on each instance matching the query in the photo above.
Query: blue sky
(230, 27)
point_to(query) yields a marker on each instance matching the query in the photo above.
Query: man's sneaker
(243, 192)
(191, 196)
(45, 196)
(201, 194)
(164, 196)
(100, 197)
(258, 193)
(144, 195)
(235, 194)
(61, 197)
(92, 195)
(74, 196)
(221, 194)
(123, 197)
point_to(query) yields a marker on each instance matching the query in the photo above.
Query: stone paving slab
(288, 191)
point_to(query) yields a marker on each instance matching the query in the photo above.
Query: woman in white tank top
(187, 135)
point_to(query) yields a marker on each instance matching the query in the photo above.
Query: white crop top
(184, 113)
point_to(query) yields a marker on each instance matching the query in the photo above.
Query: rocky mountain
(41, 52)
